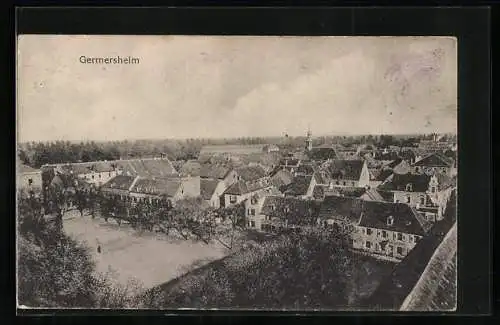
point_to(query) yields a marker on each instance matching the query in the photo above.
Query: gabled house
(250, 173)
(146, 167)
(119, 186)
(171, 189)
(301, 187)
(242, 190)
(253, 208)
(219, 172)
(190, 168)
(436, 162)
(281, 178)
(429, 194)
(381, 229)
(378, 176)
(348, 173)
(211, 191)
(374, 194)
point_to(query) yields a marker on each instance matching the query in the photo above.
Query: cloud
(187, 86)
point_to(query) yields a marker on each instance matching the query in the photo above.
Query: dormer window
(390, 220)
(433, 189)
(409, 187)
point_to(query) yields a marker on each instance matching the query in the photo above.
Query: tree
(300, 271)
(236, 215)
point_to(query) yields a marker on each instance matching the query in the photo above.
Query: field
(145, 257)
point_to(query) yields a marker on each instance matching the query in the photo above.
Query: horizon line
(238, 137)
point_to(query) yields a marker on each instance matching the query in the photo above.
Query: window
(30, 181)
(417, 169)
(433, 189)
(368, 245)
(408, 199)
(252, 223)
(390, 220)
(400, 236)
(232, 199)
(344, 183)
(368, 231)
(109, 174)
(422, 200)
(384, 234)
(252, 212)
(337, 182)
(409, 187)
(399, 250)
(92, 176)
(100, 176)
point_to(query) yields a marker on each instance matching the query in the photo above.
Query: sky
(234, 86)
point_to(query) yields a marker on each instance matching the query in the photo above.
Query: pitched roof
(375, 214)
(306, 169)
(281, 178)
(322, 153)
(191, 167)
(346, 169)
(79, 169)
(398, 182)
(299, 185)
(339, 207)
(405, 218)
(207, 187)
(295, 210)
(157, 186)
(436, 159)
(147, 167)
(373, 195)
(349, 191)
(320, 178)
(394, 163)
(251, 173)
(121, 182)
(241, 187)
(381, 174)
(102, 167)
(407, 154)
(215, 171)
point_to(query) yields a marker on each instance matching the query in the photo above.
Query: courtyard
(143, 257)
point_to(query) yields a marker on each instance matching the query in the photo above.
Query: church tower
(309, 140)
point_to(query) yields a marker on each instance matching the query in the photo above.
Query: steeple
(309, 139)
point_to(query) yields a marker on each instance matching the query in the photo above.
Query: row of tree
(36, 154)
(56, 271)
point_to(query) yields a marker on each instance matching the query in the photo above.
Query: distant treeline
(36, 154)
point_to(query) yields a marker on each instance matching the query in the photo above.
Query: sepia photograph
(296, 173)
